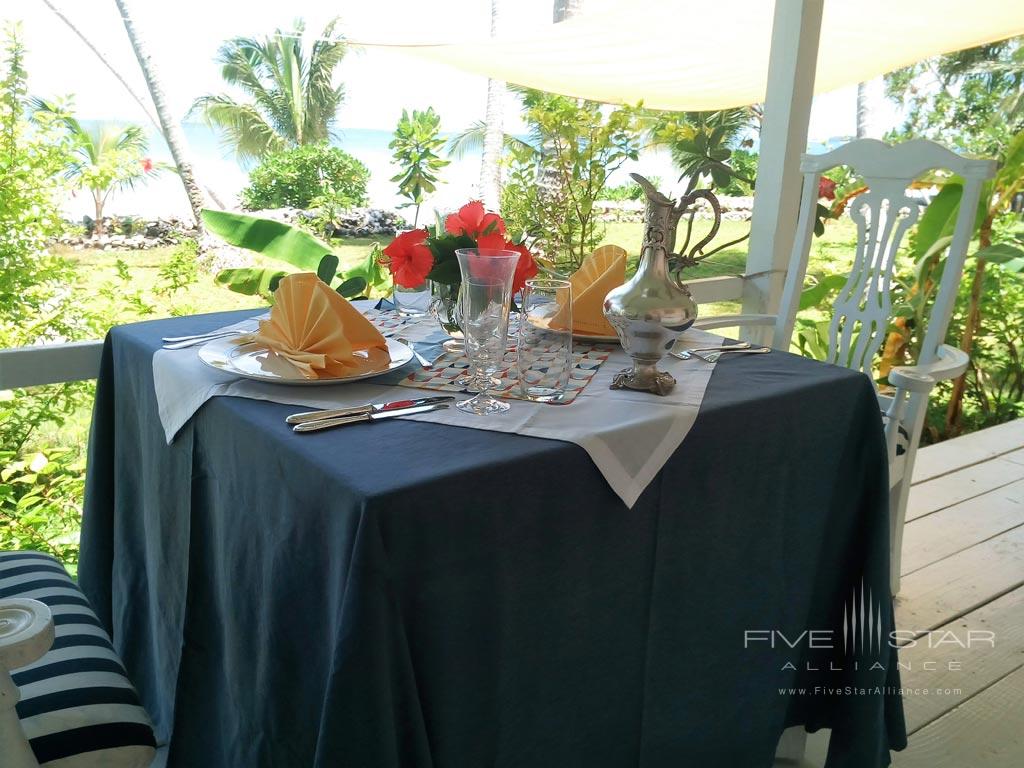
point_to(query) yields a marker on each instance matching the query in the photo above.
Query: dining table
(414, 594)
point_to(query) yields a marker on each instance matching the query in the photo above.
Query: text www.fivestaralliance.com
(880, 690)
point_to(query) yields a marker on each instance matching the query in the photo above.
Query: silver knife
(371, 408)
(359, 418)
(333, 413)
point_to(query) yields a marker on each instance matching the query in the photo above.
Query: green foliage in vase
(296, 177)
(415, 148)
(554, 180)
(292, 100)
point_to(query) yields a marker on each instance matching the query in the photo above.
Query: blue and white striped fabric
(78, 708)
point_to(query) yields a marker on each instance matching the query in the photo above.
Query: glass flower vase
(444, 306)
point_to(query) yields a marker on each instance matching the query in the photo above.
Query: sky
(183, 36)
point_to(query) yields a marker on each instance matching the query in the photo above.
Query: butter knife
(333, 413)
(360, 418)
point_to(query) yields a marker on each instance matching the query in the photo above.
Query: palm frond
(472, 140)
(293, 99)
(245, 129)
(323, 98)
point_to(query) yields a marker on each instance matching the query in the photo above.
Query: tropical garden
(278, 114)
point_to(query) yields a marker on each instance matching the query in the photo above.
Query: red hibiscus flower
(147, 165)
(409, 259)
(526, 267)
(492, 242)
(472, 220)
(826, 188)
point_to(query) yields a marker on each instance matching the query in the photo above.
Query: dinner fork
(685, 354)
(198, 336)
(201, 340)
(713, 356)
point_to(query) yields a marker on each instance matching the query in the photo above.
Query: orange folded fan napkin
(319, 332)
(600, 272)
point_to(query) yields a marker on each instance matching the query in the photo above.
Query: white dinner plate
(581, 336)
(254, 362)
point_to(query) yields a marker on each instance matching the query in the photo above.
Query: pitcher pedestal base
(645, 378)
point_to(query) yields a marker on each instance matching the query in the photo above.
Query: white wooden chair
(862, 309)
(26, 634)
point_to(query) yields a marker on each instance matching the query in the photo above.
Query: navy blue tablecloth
(409, 594)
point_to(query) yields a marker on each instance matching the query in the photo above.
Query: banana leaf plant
(291, 245)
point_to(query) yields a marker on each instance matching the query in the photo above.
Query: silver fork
(198, 336)
(685, 353)
(713, 357)
(201, 340)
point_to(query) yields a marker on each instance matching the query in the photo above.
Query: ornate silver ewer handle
(653, 308)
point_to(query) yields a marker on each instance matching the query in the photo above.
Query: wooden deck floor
(963, 570)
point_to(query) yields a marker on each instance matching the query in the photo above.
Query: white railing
(80, 360)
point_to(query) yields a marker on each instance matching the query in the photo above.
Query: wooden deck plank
(951, 455)
(944, 533)
(950, 588)
(986, 731)
(963, 484)
(932, 663)
(1017, 457)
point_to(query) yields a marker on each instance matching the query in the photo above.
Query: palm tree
(565, 9)
(490, 174)
(863, 110)
(171, 130)
(293, 100)
(105, 159)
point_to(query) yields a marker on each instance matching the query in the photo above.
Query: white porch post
(787, 110)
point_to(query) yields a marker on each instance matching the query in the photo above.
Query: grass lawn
(143, 294)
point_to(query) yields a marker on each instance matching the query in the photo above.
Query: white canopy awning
(712, 54)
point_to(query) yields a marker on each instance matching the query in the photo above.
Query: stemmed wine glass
(483, 311)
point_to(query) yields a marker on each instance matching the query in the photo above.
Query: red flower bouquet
(415, 256)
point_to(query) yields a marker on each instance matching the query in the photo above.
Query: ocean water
(218, 170)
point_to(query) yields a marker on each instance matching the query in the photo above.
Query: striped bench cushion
(78, 708)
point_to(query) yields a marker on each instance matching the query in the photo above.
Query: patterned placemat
(388, 320)
(451, 367)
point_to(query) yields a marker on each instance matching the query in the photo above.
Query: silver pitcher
(652, 309)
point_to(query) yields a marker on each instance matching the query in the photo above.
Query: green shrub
(294, 177)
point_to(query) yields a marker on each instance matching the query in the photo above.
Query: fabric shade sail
(712, 54)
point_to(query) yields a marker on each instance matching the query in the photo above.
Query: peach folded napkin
(319, 332)
(600, 272)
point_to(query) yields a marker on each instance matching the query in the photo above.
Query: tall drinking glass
(483, 312)
(544, 348)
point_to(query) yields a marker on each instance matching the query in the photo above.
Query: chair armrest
(921, 378)
(732, 321)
